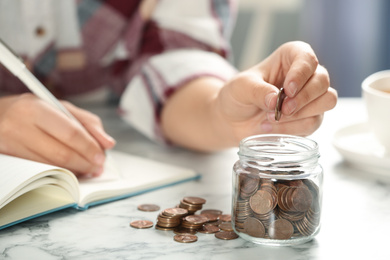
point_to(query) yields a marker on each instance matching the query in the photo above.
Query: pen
(14, 64)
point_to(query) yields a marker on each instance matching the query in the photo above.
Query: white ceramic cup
(376, 95)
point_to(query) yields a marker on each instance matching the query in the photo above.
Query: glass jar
(277, 190)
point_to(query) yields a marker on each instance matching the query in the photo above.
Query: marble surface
(355, 219)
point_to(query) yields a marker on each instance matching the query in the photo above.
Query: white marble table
(355, 219)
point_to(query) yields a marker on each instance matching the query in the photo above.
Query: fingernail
(100, 158)
(268, 100)
(271, 116)
(105, 135)
(292, 88)
(110, 139)
(291, 105)
(98, 172)
(266, 127)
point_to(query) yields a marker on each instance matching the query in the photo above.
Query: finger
(60, 127)
(252, 89)
(318, 106)
(44, 148)
(316, 86)
(59, 154)
(301, 127)
(303, 66)
(93, 125)
(105, 141)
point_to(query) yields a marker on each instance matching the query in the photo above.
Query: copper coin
(209, 229)
(261, 202)
(226, 226)
(301, 199)
(226, 235)
(182, 231)
(148, 207)
(175, 212)
(210, 217)
(254, 227)
(248, 184)
(164, 228)
(141, 224)
(196, 219)
(185, 238)
(211, 211)
(194, 200)
(280, 229)
(279, 103)
(225, 217)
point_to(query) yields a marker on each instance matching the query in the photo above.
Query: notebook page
(15, 173)
(136, 174)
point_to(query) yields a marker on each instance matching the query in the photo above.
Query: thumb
(254, 90)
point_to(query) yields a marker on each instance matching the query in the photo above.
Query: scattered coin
(185, 238)
(225, 217)
(226, 226)
(148, 207)
(183, 221)
(194, 200)
(182, 230)
(211, 211)
(209, 229)
(226, 235)
(179, 212)
(141, 224)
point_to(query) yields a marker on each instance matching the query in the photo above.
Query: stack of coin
(213, 215)
(170, 218)
(183, 221)
(192, 204)
(285, 208)
(242, 211)
(194, 222)
(248, 185)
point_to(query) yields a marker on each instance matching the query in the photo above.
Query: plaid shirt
(140, 50)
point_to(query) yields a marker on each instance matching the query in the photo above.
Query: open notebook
(29, 189)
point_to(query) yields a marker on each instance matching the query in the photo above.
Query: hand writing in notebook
(48, 135)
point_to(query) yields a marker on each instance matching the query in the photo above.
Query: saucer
(359, 147)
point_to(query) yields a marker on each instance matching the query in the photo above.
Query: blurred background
(350, 37)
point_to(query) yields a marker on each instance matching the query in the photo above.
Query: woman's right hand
(31, 128)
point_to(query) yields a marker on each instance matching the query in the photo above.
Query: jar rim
(279, 150)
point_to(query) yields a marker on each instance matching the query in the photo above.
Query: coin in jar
(261, 202)
(254, 227)
(280, 229)
(141, 224)
(185, 238)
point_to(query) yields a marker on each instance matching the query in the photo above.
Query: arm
(210, 114)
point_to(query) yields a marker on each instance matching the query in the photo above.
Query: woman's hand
(209, 114)
(247, 102)
(31, 128)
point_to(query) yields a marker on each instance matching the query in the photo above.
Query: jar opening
(286, 152)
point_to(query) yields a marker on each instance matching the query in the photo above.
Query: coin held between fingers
(279, 103)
